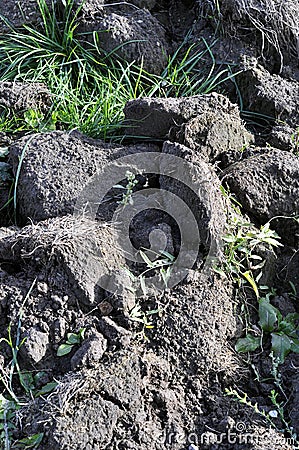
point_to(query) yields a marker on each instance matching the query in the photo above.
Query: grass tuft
(89, 87)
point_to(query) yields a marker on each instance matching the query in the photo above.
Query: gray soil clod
(16, 14)
(80, 251)
(271, 95)
(270, 26)
(55, 168)
(267, 187)
(19, 97)
(137, 35)
(210, 124)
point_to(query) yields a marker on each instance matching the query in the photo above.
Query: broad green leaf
(281, 346)
(248, 276)
(292, 317)
(73, 338)
(38, 376)
(248, 344)
(287, 327)
(294, 345)
(27, 381)
(64, 349)
(268, 315)
(49, 387)
(31, 441)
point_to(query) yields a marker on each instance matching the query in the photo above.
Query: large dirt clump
(56, 166)
(270, 26)
(15, 14)
(209, 124)
(267, 187)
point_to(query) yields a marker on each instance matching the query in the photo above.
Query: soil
(157, 380)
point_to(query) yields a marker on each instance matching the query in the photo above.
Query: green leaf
(229, 238)
(146, 259)
(287, 327)
(248, 344)
(64, 349)
(268, 315)
(292, 317)
(281, 346)
(220, 271)
(294, 345)
(31, 441)
(168, 255)
(73, 338)
(166, 275)
(81, 333)
(27, 381)
(272, 242)
(47, 388)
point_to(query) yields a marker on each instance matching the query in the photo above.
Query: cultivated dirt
(128, 386)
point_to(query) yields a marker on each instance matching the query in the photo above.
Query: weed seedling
(129, 189)
(10, 403)
(283, 332)
(72, 340)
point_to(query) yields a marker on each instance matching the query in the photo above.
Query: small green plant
(163, 262)
(137, 315)
(244, 400)
(277, 412)
(241, 260)
(72, 340)
(10, 403)
(283, 331)
(129, 189)
(295, 141)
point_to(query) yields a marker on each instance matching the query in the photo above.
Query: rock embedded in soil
(19, 97)
(56, 167)
(267, 186)
(209, 124)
